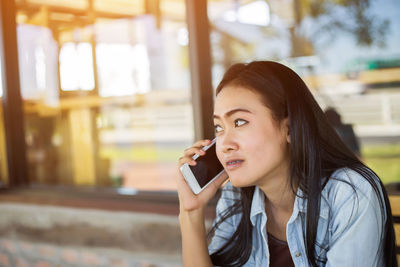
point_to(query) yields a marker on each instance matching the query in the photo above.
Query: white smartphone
(207, 169)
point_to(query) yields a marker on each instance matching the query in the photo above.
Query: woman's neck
(279, 202)
(279, 198)
(279, 195)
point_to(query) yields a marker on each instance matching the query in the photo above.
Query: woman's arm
(194, 242)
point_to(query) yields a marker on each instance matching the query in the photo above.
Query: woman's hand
(187, 199)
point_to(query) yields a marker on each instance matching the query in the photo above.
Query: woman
(296, 196)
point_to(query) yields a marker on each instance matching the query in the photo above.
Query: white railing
(375, 114)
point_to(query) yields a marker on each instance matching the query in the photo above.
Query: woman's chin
(238, 182)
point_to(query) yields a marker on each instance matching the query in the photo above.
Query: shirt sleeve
(356, 229)
(225, 229)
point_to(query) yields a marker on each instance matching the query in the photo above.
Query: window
(350, 65)
(76, 67)
(106, 91)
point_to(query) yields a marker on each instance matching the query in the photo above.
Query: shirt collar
(300, 205)
(257, 204)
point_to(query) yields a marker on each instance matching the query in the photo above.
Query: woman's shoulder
(346, 177)
(346, 183)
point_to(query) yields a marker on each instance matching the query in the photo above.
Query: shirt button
(298, 254)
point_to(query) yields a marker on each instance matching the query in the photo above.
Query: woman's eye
(240, 122)
(217, 128)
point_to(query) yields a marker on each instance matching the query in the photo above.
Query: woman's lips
(234, 164)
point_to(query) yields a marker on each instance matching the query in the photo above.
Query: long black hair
(316, 151)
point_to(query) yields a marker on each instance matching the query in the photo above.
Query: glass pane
(76, 67)
(347, 54)
(105, 90)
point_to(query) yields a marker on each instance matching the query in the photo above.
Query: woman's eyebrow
(231, 112)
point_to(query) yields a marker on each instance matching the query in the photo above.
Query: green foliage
(353, 18)
(384, 160)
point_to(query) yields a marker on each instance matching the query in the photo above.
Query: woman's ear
(286, 128)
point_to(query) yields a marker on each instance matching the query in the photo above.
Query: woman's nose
(228, 142)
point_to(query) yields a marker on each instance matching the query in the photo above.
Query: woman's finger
(199, 144)
(188, 160)
(202, 143)
(197, 148)
(193, 150)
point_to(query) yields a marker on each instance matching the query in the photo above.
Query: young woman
(296, 196)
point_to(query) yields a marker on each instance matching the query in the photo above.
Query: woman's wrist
(194, 239)
(192, 221)
(192, 215)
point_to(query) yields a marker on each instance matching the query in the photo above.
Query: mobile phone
(207, 169)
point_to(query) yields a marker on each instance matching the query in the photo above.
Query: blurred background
(102, 96)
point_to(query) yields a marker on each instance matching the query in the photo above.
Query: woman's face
(251, 145)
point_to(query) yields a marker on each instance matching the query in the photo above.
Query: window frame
(19, 188)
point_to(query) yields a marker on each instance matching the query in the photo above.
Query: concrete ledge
(131, 231)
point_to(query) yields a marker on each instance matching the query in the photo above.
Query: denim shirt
(350, 226)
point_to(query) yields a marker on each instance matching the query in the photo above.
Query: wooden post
(12, 102)
(200, 67)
